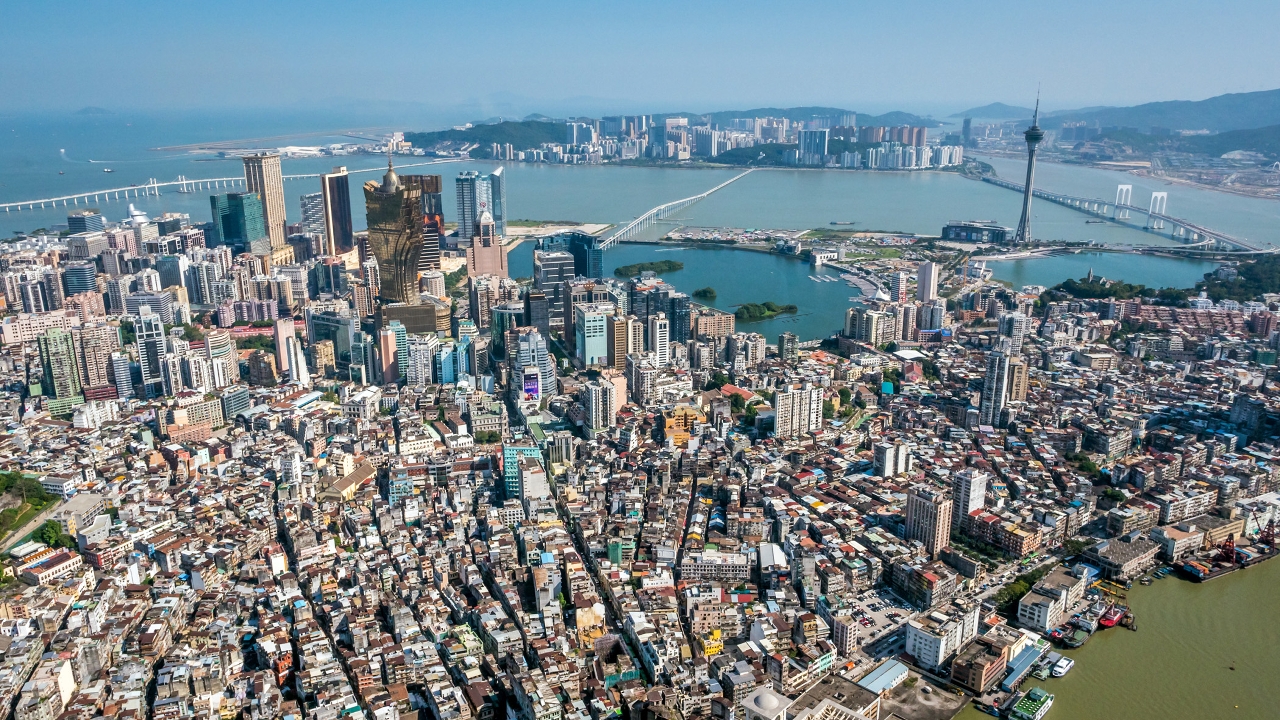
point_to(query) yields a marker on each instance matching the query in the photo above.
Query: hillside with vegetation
(523, 135)
(1254, 278)
(1233, 111)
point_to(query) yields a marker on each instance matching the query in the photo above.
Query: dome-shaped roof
(766, 701)
(390, 181)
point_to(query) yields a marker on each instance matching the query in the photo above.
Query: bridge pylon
(1124, 194)
(1159, 202)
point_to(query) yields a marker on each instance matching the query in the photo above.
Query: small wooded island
(751, 312)
(658, 266)
(706, 293)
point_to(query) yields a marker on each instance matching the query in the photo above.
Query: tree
(716, 381)
(845, 394)
(329, 396)
(828, 410)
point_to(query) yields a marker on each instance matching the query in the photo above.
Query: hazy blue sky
(470, 59)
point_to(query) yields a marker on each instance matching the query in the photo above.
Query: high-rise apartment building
(394, 216)
(789, 347)
(797, 410)
(1015, 326)
(599, 397)
(262, 175)
(927, 281)
(86, 221)
(659, 336)
(335, 192)
(891, 459)
(149, 331)
(898, 287)
(282, 331)
(220, 352)
(61, 367)
(929, 518)
(969, 493)
(1017, 380)
(995, 387)
(312, 213)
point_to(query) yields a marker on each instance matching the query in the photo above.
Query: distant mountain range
(995, 111)
(1236, 111)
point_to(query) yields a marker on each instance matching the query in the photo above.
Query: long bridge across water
(634, 227)
(1198, 238)
(182, 184)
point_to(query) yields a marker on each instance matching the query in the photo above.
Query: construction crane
(1266, 533)
(1227, 550)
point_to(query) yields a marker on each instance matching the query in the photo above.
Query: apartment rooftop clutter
(585, 495)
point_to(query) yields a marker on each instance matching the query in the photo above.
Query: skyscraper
(995, 387)
(591, 333)
(898, 287)
(282, 331)
(394, 217)
(335, 192)
(476, 194)
(660, 339)
(239, 221)
(312, 213)
(298, 373)
(220, 351)
(486, 256)
(262, 175)
(61, 369)
(1033, 136)
(927, 281)
(149, 330)
(929, 518)
(432, 218)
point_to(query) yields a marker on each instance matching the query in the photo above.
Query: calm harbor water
(34, 151)
(1201, 651)
(1157, 272)
(738, 276)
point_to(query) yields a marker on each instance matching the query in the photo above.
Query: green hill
(1235, 111)
(522, 135)
(1265, 140)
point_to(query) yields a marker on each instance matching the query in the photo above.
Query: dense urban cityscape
(294, 469)
(462, 364)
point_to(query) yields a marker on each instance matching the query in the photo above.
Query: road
(31, 525)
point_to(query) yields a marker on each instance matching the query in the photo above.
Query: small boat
(107, 170)
(1095, 222)
(1063, 667)
(1113, 615)
(1145, 580)
(62, 172)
